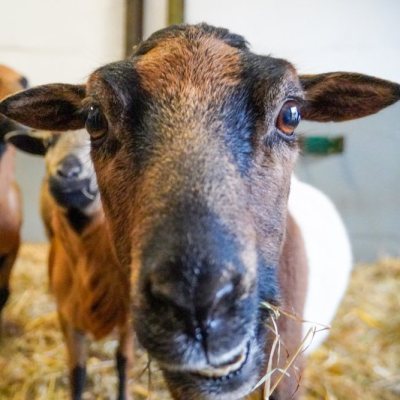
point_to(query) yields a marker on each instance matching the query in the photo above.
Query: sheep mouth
(234, 379)
(228, 369)
(60, 185)
(222, 372)
(77, 194)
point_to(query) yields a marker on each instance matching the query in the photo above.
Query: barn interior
(355, 163)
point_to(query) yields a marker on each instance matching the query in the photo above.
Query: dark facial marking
(77, 219)
(71, 194)
(4, 294)
(116, 93)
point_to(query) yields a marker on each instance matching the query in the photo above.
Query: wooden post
(134, 24)
(176, 12)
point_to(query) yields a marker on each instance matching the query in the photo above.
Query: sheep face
(203, 132)
(69, 171)
(70, 177)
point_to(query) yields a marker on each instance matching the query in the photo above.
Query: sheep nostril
(163, 293)
(68, 172)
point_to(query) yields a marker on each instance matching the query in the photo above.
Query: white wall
(61, 40)
(315, 35)
(56, 41)
(155, 16)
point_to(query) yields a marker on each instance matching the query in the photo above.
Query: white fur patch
(328, 252)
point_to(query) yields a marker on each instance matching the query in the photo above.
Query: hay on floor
(360, 360)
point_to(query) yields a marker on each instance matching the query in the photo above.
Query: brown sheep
(193, 142)
(85, 277)
(10, 198)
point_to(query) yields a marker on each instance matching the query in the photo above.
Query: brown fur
(9, 81)
(10, 204)
(169, 66)
(10, 198)
(86, 278)
(87, 281)
(293, 282)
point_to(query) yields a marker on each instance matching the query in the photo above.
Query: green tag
(321, 145)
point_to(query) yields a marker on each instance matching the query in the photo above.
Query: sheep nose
(201, 299)
(70, 167)
(195, 285)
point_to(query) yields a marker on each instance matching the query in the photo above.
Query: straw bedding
(360, 360)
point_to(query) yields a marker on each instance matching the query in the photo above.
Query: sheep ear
(30, 142)
(49, 107)
(340, 96)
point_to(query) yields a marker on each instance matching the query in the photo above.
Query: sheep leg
(6, 263)
(4, 291)
(124, 360)
(77, 354)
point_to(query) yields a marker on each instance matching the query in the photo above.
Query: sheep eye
(96, 123)
(289, 117)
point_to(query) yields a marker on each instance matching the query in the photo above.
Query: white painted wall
(56, 41)
(155, 15)
(315, 35)
(61, 40)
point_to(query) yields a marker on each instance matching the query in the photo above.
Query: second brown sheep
(85, 277)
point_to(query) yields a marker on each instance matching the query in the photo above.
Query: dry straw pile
(361, 359)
